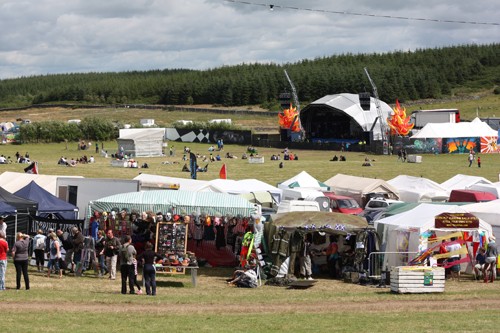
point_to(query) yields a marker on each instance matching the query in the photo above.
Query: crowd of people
(74, 162)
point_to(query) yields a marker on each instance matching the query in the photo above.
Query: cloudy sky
(55, 36)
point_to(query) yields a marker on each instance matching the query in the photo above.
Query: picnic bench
(180, 270)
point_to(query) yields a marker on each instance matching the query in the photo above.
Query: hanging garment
(220, 240)
(209, 234)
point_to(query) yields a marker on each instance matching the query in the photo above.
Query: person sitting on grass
(246, 277)
(200, 169)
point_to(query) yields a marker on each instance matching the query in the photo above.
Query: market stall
(355, 238)
(212, 218)
(410, 234)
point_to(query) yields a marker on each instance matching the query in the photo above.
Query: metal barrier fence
(379, 262)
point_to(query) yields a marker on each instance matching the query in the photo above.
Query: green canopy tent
(178, 202)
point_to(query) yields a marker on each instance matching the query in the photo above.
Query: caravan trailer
(423, 117)
(308, 194)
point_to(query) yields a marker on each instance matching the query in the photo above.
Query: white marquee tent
(488, 211)
(141, 142)
(462, 182)
(360, 188)
(304, 180)
(473, 129)
(246, 186)
(156, 182)
(490, 188)
(418, 189)
(236, 187)
(14, 181)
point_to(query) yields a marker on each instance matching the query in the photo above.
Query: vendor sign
(456, 221)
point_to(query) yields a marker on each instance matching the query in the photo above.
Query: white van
(308, 194)
(286, 206)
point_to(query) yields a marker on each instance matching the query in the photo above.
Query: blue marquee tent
(47, 202)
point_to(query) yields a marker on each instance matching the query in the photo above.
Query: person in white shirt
(452, 247)
(3, 225)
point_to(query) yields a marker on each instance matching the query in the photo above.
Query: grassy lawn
(436, 167)
(80, 304)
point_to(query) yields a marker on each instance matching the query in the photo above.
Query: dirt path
(317, 307)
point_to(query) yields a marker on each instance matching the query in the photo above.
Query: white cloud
(54, 36)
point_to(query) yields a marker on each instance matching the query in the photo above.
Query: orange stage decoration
(399, 122)
(289, 119)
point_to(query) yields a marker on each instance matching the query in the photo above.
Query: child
(478, 162)
(139, 291)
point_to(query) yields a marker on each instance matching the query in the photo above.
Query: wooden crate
(417, 279)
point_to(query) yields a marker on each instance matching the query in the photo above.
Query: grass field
(83, 304)
(436, 167)
(91, 304)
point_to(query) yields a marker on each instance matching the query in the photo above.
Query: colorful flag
(32, 168)
(223, 172)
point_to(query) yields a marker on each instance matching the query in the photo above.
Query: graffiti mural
(460, 145)
(429, 146)
(489, 144)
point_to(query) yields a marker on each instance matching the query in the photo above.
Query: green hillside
(407, 76)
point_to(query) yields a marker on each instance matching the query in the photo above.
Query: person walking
(127, 253)
(4, 248)
(471, 158)
(78, 239)
(20, 256)
(111, 248)
(148, 270)
(66, 241)
(39, 249)
(99, 250)
(54, 255)
(478, 161)
(491, 260)
(305, 258)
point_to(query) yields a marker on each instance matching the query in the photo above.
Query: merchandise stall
(182, 214)
(284, 233)
(416, 233)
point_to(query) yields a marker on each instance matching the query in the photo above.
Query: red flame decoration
(399, 122)
(289, 119)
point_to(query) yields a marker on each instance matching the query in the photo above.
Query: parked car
(343, 204)
(372, 215)
(380, 204)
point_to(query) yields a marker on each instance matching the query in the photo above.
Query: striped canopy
(178, 202)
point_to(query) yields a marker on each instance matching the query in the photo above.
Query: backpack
(125, 254)
(53, 248)
(40, 244)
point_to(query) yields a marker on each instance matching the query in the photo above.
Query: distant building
(147, 122)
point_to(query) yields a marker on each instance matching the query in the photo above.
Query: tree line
(420, 74)
(95, 129)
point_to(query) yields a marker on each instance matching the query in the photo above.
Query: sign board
(456, 221)
(428, 278)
